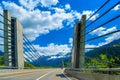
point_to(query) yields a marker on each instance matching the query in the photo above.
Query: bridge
(17, 49)
(83, 67)
(92, 71)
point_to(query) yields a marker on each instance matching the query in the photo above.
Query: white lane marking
(66, 76)
(44, 75)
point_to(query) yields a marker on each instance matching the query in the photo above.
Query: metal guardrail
(96, 69)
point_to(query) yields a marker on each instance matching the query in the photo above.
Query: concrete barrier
(91, 76)
(11, 72)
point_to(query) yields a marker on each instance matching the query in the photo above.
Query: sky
(49, 24)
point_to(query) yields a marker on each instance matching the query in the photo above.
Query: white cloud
(98, 31)
(110, 38)
(31, 56)
(67, 6)
(71, 41)
(53, 49)
(29, 4)
(89, 13)
(1, 18)
(28, 58)
(59, 10)
(77, 14)
(55, 57)
(16, 10)
(90, 46)
(116, 7)
(37, 22)
(1, 46)
(1, 9)
(48, 3)
(1, 32)
(101, 31)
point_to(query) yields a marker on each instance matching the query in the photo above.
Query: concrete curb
(17, 73)
(91, 76)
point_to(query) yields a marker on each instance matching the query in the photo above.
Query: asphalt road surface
(46, 74)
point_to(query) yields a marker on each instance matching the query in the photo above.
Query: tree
(26, 64)
(1, 61)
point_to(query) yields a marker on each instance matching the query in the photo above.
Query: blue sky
(49, 24)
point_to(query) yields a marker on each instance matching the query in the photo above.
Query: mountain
(53, 60)
(56, 60)
(1, 53)
(111, 49)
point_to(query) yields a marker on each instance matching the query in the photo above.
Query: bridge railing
(109, 60)
(94, 74)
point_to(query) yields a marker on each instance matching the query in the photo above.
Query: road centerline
(44, 75)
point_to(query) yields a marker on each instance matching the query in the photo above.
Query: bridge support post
(7, 40)
(82, 41)
(79, 44)
(13, 42)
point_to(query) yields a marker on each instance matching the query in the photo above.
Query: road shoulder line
(66, 76)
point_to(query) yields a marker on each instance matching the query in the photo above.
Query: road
(45, 74)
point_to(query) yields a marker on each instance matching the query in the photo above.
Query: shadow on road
(63, 76)
(60, 75)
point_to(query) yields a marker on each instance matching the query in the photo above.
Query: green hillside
(105, 56)
(1, 61)
(28, 65)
